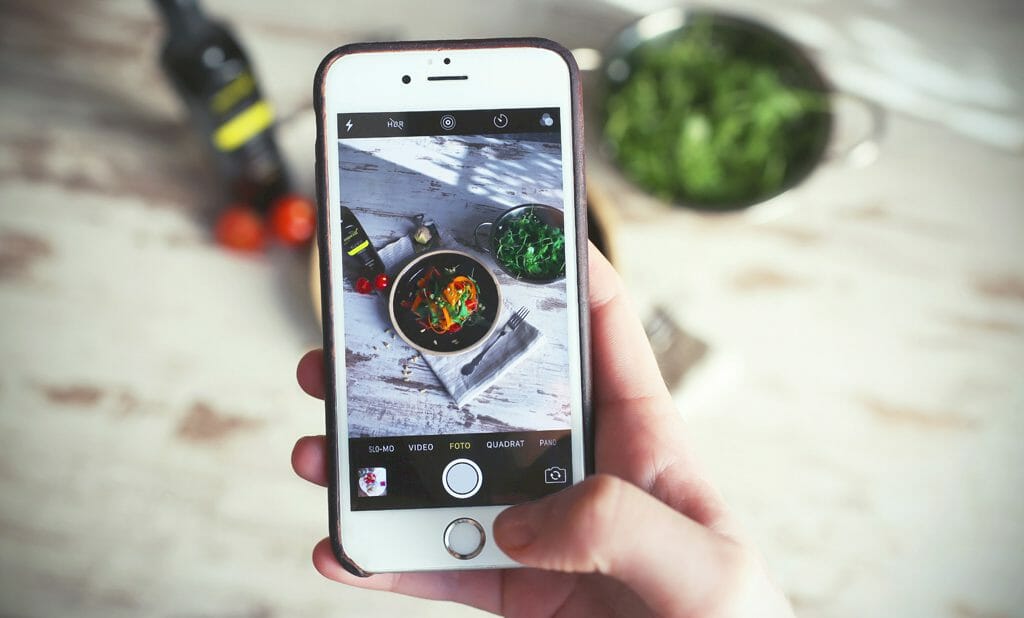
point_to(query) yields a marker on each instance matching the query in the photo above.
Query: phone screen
(457, 327)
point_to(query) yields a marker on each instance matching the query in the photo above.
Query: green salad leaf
(530, 248)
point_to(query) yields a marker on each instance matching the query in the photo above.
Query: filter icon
(447, 122)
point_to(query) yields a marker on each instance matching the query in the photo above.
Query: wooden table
(458, 182)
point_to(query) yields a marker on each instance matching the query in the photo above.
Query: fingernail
(518, 526)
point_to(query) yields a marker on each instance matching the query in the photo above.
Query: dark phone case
(327, 273)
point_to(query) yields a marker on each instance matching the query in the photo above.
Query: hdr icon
(396, 124)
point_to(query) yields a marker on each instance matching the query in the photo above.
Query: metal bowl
(745, 36)
(547, 214)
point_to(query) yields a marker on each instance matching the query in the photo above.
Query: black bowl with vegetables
(444, 302)
(712, 111)
(527, 242)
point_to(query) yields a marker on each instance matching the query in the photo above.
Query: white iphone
(453, 261)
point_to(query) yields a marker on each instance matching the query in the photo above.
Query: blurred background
(846, 341)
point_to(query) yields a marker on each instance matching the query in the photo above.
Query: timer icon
(501, 121)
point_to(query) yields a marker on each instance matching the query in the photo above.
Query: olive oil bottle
(356, 244)
(213, 75)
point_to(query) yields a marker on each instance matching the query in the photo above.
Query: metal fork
(513, 323)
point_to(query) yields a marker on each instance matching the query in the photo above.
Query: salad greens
(530, 248)
(710, 115)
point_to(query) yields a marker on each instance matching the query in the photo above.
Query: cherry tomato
(454, 328)
(239, 227)
(363, 285)
(471, 304)
(381, 282)
(293, 219)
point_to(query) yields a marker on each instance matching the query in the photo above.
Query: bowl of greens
(527, 242)
(712, 111)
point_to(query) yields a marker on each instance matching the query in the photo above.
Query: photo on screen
(468, 330)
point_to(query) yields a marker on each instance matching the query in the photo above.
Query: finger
(624, 366)
(481, 589)
(609, 526)
(309, 459)
(310, 373)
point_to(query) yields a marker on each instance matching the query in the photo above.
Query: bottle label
(354, 250)
(236, 91)
(243, 126)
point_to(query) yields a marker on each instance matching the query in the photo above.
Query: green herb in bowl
(529, 248)
(720, 114)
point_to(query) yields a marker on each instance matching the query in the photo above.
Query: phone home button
(462, 478)
(464, 538)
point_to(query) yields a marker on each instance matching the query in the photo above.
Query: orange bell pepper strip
(451, 294)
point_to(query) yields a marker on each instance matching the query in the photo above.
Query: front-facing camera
(406, 79)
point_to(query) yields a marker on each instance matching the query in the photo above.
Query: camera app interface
(455, 318)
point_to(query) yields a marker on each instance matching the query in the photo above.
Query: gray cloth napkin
(509, 350)
(395, 253)
(505, 354)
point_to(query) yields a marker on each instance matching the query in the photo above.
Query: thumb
(606, 525)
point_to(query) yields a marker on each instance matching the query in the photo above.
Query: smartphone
(453, 244)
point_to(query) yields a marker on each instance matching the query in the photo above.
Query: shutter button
(462, 478)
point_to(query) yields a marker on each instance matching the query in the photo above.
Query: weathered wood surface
(458, 182)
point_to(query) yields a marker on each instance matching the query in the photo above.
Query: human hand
(646, 535)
